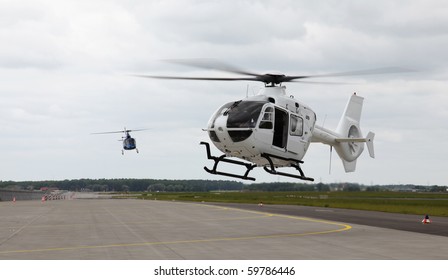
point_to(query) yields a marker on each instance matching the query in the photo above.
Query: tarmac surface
(125, 229)
(406, 222)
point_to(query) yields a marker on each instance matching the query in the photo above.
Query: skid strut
(273, 170)
(249, 166)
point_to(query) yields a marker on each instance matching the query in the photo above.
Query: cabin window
(266, 121)
(296, 128)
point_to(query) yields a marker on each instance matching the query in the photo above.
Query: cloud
(65, 73)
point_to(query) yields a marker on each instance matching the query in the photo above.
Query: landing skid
(250, 166)
(122, 151)
(273, 170)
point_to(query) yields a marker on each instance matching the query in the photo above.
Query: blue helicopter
(129, 142)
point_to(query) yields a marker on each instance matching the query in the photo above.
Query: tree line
(163, 185)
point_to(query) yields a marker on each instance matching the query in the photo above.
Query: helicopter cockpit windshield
(129, 143)
(241, 114)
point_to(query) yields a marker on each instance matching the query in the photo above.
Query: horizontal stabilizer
(368, 140)
(342, 140)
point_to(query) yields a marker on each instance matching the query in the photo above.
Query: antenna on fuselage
(331, 153)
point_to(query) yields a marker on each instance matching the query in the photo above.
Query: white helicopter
(274, 130)
(129, 142)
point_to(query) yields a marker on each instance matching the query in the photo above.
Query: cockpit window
(244, 114)
(221, 111)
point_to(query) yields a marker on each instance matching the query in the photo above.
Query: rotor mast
(272, 80)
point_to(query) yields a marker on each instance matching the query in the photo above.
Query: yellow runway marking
(343, 227)
(346, 227)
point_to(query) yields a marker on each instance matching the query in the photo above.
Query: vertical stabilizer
(347, 140)
(351, 115)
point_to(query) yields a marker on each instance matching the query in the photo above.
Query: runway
(103, 229)
(406, 222)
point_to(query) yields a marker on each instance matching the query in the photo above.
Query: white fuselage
(268, 123)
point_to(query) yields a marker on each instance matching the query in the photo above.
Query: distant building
(46, 189)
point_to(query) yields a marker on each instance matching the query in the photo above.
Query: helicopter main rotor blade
(218, 65)
(208, 64)
(214, 64)
(376, 71)
(109, 132)
(131, 130)
(198, 78)
(268, 78)
(121, 131)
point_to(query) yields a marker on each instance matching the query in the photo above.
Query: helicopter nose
(228, 137)
(239, 135)
(213, 136)
(222, 134)
(217, 133)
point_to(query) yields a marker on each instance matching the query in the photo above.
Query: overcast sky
(65, 72)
